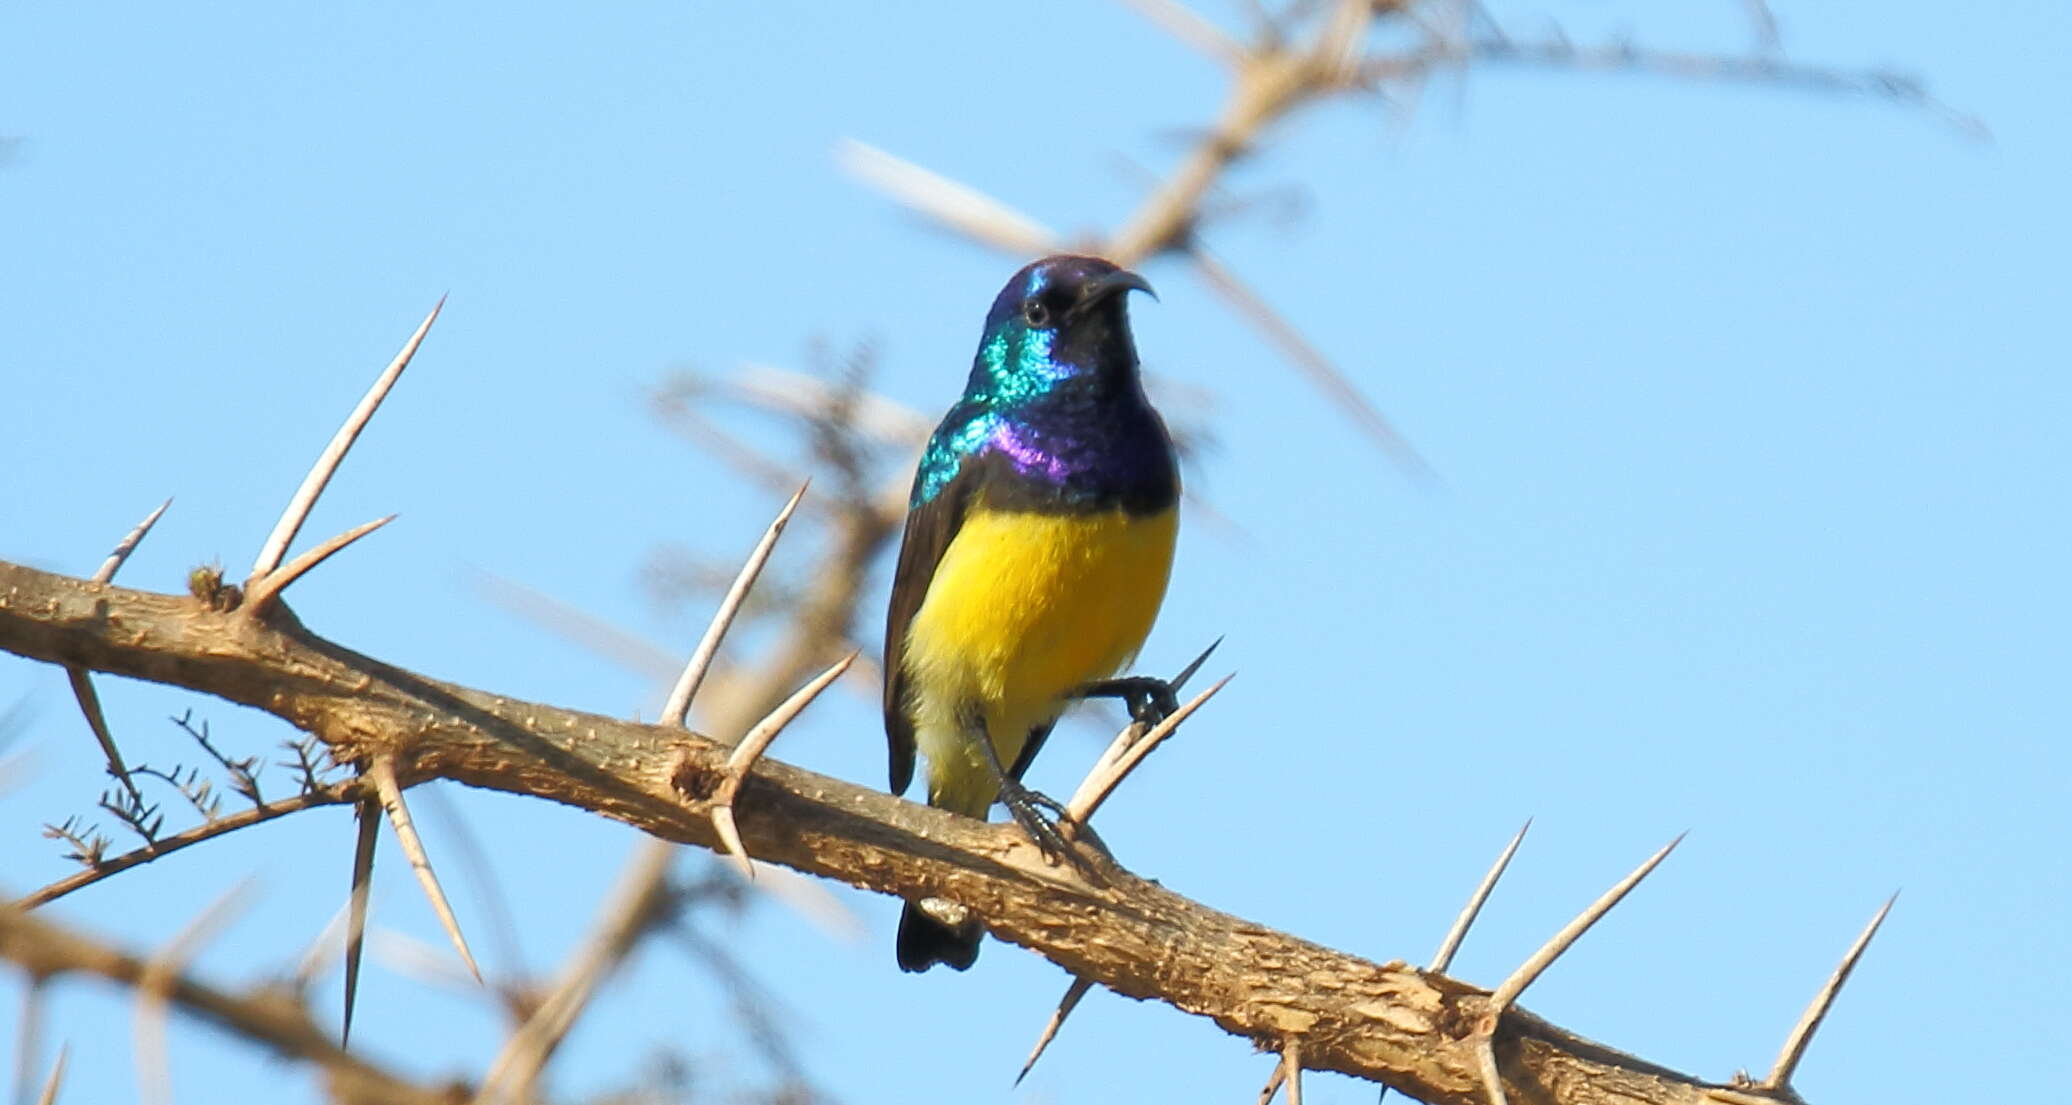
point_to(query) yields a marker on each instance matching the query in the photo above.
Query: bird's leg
(1037, 813)
(1150, 699)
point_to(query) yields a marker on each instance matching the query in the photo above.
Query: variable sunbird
(1039, 538)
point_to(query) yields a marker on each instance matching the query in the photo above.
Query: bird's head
(1060, 318)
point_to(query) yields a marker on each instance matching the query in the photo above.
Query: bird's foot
(1148, 698)
(1042, 819)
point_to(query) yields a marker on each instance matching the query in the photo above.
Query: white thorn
(753, 744)
(958, 206)
(1550, 951)
(677, 710)
(276, 547)
(1443, 958)
(383, 772)
(1809, 1022)
(1099, 784)
(129, 544)
(264, 590)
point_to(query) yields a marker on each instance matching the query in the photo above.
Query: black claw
(1038, 815)
(1028, 807)
(1162, 703)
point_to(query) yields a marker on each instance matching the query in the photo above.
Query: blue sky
(1748, 405)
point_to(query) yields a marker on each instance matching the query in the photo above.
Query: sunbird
(1039, 539)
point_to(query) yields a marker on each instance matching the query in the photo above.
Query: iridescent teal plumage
(1062, 403)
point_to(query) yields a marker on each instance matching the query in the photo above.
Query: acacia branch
(1412, 1030)
(271, 1018)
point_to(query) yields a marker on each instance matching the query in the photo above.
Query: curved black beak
(1107, 287)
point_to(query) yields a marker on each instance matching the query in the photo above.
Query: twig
(1443, 958)
(810, 898)
(1336, 53)
(626, 649)
(1802, 1033)
(742, 760)
(87, 841)
(957, 206)
(693, 426)
(200, 793)
(154, 990)
(1623, 58)
(383, 772)
(165, 846)
(368, 835)
(262, 591)
(322, 948)
(28, 1042)
(308, 774)
(1066, 1004)
(677, 710)
(626, 915)
(243, 779)
(753, 1004)
(276, 547)
(265, 1018)
(1188, 26)
(1099, 783)
(1764, 22)
(432, 964)
(1324, 375)
(803, 395)
(1266, 23)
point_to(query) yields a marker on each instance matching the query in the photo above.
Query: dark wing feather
(929, 529)
(1027, 755)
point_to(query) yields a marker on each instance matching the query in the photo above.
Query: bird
(1038, 544)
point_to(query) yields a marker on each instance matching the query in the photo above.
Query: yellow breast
(1025, 608)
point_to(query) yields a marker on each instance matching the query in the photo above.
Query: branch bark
(1414, 1031)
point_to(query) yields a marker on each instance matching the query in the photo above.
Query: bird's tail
(925, 941)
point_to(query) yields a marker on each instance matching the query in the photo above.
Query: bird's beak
(1111, 285)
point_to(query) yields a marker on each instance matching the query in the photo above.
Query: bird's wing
(929, 530)
(1027, 755)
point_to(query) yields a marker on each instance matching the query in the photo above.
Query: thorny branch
(1310, 54)
(1412, 1030)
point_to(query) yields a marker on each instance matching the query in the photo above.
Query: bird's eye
(1036, 314)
